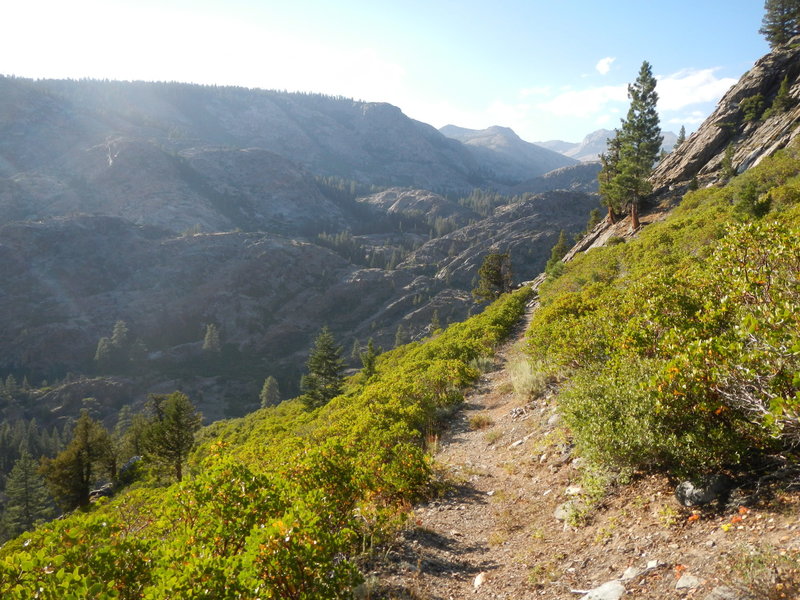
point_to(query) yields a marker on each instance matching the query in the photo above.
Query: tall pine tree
(27, 498)
(270, 393)
(494, 277)
(781, 21)
(609, 169)
(88, 457)
(169, 435)
(640, 143)
(324, 378)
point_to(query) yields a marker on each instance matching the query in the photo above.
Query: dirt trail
(494, 533)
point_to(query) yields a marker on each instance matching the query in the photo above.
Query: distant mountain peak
(509, 156)
(594, 144)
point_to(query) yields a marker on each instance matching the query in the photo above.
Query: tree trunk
(610, 216)
(634, 215)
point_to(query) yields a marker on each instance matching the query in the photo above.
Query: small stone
(653, 564)
(490, 493)
(707, 490)
(563, 511)
(573, 490)
(479, 579)
(515, 444)
(631, 573)
(611, 590)
(687, 582)
(554, 420)
(724, 592)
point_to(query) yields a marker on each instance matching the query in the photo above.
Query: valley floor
(496, 531)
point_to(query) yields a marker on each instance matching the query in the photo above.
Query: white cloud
(587, 102)
(603, 66)
(542, 90)
(690, 86)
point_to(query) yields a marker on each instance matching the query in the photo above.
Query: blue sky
(554, 69)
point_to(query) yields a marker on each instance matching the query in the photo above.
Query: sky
(549, 69)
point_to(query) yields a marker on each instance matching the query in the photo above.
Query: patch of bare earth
(509, 466)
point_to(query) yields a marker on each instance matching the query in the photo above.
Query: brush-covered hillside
(677, 352)
(658, 382)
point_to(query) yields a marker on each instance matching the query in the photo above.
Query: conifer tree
(211, 338)
(783, 100)
(270, 393)
(494, 277)
(27, 498)
(369, 358)
(72, 473)
(641, 141)
(781, 21)
(119, 335)
(170, 432)
(324, 378)
(609, 160)
(557, 252)
(681, 137)
(400, 336)
(436, 323)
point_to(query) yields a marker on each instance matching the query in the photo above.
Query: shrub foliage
(278, 504)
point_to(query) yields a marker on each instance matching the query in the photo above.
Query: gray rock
(562, 511)
(687, 582)
(632, 573)
(611, 590)
(706, 490)
(702, 154)
(724, 593)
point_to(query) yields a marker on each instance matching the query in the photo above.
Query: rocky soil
(503, 527)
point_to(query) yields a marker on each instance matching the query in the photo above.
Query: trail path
(481, 530)
(496, 533)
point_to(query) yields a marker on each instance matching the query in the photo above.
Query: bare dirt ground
(508, 466)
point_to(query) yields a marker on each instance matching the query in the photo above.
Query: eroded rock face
(527, 229)
(702, 153)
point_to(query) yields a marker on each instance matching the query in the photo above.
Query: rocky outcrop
(701, 155)
(419, 203)
(527, 229)
(577, 178)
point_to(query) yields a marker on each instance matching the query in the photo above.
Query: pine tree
(641, 141)
(594, 219)
(781, 21)
(119, 335)
(436, 323)
(211, 338)
(324, 378)
(270, 393)
(557, 253)
(368, 359)
(72, 473)
(726, 166)
(681, 138)
(400, 336)
(170, 432)
(783, 100)
(27, 499)
(610, 195)
(494, 277)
